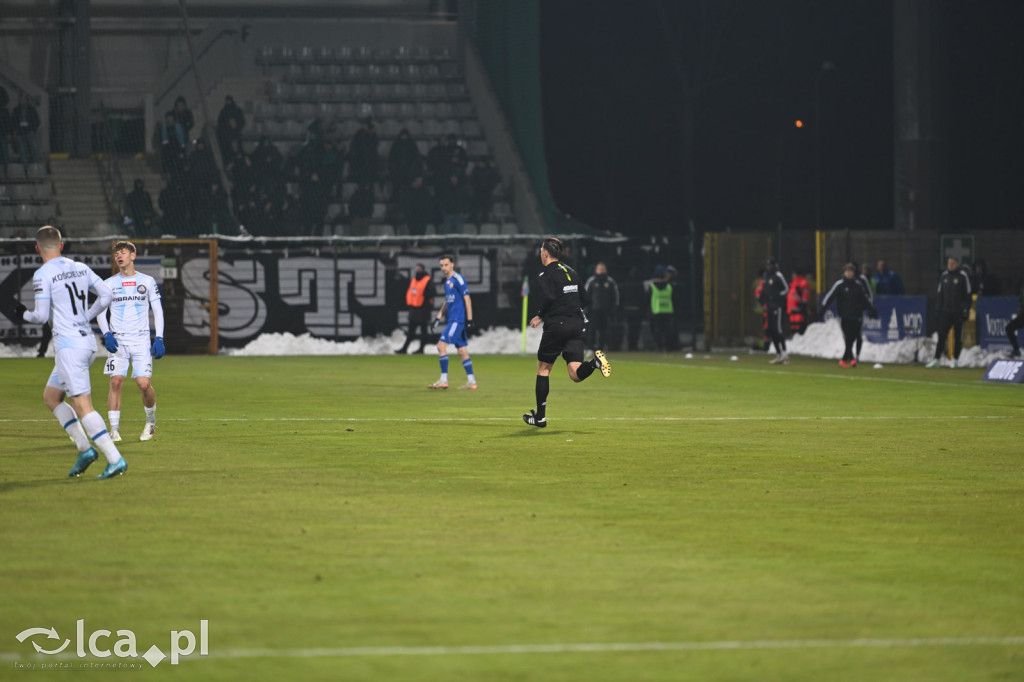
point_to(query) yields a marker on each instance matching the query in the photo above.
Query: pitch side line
(574, 648)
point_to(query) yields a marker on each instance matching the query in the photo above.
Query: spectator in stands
(404, 163)
(483, 180)
(331, 167)
(438, 164)
(214, 215)
(174, 205)
(138, 205)
(363, 159)
(290, 216)
(360, 210)
(887, 282)
(314, 198)
(454, 203)
(983, 283)
(268, 162)
(6, 133)
(458, 160)
(418, 205)
(203, 165)
(25, 120)
(183, 115)
(230, 123)
(172, 143)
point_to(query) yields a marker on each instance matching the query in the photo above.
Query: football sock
(587, 368)
(93, 425)
(467, 365)
(65, 414)
(114, 416)
(542, 395)
(444, 367)
(150, 415)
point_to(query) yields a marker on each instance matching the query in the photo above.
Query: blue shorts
(455, 334)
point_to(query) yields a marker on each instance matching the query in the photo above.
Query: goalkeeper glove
(110, 342)
(158, 348)
(435, 324)
(966, 312)
(470, 327)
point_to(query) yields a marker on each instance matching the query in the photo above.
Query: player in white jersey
(62, 298)
(126, 337)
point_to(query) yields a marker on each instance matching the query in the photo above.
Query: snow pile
(492, 341)
(825, 340)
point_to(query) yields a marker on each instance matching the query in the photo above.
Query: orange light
(798, 123)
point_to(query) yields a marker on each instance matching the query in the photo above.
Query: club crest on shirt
(141, 289)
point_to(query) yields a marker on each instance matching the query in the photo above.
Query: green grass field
(333, 519)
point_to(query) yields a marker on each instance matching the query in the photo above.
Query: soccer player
(458, 307)
(61, 297)
(127, 337)
(565, 328)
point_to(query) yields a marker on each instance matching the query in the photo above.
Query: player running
(61, 298)
(459, 310)
(127, 337)
(565, 328)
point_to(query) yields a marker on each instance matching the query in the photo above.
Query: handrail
(209, 37)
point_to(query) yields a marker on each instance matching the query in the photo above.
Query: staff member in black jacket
(565, 327)
(774, 292)
(953, 307)
(851, 302)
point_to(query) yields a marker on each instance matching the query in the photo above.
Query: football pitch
(330, 518)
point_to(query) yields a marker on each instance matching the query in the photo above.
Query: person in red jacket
(797, 301)
(419, 298)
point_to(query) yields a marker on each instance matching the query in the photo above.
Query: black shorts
(563, 336)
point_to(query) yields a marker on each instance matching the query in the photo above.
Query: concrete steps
(78, 192)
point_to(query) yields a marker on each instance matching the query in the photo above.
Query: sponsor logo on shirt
(128, 283)
(570, 289)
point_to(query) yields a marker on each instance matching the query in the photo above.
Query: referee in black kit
(565, 327)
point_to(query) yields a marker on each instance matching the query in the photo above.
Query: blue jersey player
(458, 311)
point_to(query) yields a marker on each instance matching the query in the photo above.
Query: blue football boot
(82, 463)
(115, 469)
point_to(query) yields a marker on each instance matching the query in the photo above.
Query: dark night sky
(611, 102)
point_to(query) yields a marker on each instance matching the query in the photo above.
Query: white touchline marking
(584, 647)
(791, 371)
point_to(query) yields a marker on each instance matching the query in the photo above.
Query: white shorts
(71, 371)
(136, 354)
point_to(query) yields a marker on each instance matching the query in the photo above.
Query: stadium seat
(501, 210)
(6, 213)
(450, 127)
(430, 229)
(265, 55)
(455, 89)
(342, 54)
(286, 110)
(445, 110)
(433, 128)
(380, 210)
(471, 128)
(406, 110)
(42, 191)
(464, 109)
(346, 110)
(314, 73)
(401, 91)
(509, 229)
(360, 91)
(304, 55)
(426, 110)
(374, 72)
(3, 193)
(435, 90)
(393, 72)
(362, 54)
(477, 148)
(21, 191)
(332, 73)
(489, 229)
(24, 213)
(450, 70)
(431, 72)
(384, 230)
(302, 92)
(414, 127)
(15, 170)
(469, 228)
(293, 130)
(365, 110)
(293, 73)
(333, 211)
(323, 55)
(389, 127)
(278, 91)
(37, 170)
(347, 190)
(285, 55)
(306, 111)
